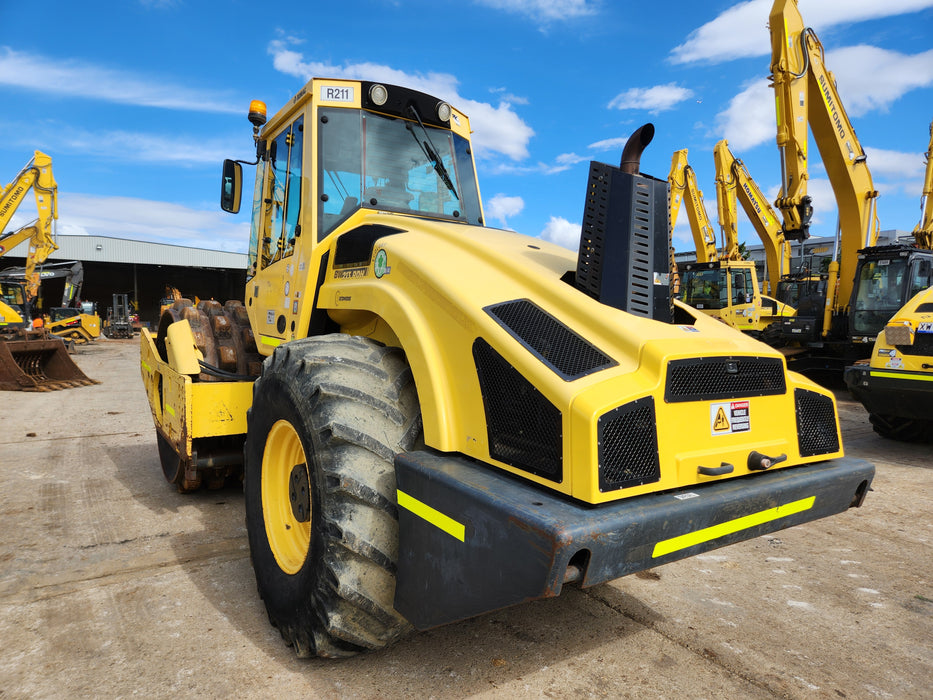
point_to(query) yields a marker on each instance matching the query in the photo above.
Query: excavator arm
(726, 206)
(733, 182)
(683, 180)
(805, 94)
(923, 233)
(37, 175)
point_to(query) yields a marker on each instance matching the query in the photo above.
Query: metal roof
(122, 250)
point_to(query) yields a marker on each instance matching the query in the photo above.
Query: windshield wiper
(431, 153)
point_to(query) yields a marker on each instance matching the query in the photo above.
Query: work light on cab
(378, 94)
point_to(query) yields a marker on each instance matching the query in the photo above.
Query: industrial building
(142, 270)
(808, 254)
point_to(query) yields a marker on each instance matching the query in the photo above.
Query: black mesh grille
(922, 345)
(557, 346)
(708, 378)
(817, 432)
(628, 446)
(523, 427)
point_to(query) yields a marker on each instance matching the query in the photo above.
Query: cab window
(283, 203)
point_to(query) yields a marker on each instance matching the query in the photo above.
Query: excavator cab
(884, 278)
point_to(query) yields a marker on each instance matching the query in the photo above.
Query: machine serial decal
(707, 534)
(333, 93)
(435, 517)
(729, 417)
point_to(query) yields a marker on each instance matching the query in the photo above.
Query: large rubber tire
(902, 429)
(328, 416)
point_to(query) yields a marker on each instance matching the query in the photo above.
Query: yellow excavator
(30, 360)
(896, 384)
(74, 321)
(723, 286)
(734, 184)
(433, 418)
(923, 231)
(866, 283)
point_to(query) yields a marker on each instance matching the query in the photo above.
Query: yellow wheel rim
(288, 538)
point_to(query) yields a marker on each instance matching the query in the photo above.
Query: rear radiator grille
(709, 378)
(628, 446)
(565, 352)
(524, 428)
(817, 432)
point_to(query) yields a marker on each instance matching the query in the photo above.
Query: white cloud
(543, 10)
(870, 78)
(148, 220)
(741, 30)
(131, 146)
(501, 206)
(654, 99)
(617, 143)
(562, 232)
(496, 129)
(77, 79)
(749, 119)
(897, 164)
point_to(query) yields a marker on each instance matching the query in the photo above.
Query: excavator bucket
(39, 365)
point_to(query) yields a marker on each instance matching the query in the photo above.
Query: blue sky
(139, 101)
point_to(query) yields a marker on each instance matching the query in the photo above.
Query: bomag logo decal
(381, 264)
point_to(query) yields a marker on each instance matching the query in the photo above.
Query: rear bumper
(472, 540)
(892, 392)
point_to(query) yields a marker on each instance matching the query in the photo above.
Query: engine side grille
(708, 378)
(817, 432)
(922, 345)
(524, 428)
(565, 352)
(628, 446)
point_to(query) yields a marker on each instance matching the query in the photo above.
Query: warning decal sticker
(729, 417)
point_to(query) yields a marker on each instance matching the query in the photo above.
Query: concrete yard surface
(112, 585)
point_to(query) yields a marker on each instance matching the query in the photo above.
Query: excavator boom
(733, 182)
(37, 175)
(683, 181)
(806, 94)
(923, 233)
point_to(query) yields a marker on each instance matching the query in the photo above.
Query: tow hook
(758, 462)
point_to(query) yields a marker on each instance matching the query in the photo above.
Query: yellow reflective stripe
(266, 340)
(903, 375)
(727, 528)
(435, 517)
(170, 410)
(146, 366)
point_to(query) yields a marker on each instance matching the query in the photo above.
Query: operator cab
(884, 281)
(359, 145)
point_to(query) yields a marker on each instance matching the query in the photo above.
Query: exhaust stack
(624, 257)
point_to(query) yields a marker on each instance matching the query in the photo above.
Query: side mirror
(231, 186)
